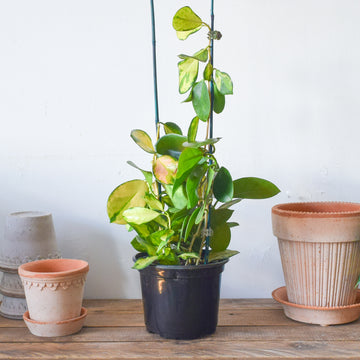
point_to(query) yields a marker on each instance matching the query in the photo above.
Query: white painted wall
(76, 77)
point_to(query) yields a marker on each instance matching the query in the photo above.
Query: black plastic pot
(181, 302)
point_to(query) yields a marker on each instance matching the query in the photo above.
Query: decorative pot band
(54, 284)
(327, 222)
(11, 264)
(10, 285)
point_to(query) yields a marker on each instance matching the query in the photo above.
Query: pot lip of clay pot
(326, 209)
(53, 268)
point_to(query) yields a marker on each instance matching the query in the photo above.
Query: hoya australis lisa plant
(181, 210)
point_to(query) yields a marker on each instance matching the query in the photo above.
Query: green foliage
(143, 140)
(188, 72)
(186, 187)
(185, 19)
(254, 188)
(223, 186)
(201, 100)
(172, 128)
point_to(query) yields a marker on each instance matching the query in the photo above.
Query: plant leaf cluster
(170, 208)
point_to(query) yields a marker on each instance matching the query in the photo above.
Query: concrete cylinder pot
(54, 291)
(319, 245)
(28, 236)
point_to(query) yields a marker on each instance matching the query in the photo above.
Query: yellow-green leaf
(185, 19)
(139, 215)
(223, 83)
(143, 140)
(201, 55)
(188, 72)
(125, 196)
(172, 128)
(183, 35)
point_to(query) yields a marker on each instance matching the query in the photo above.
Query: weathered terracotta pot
(54, 288)
(319, 246)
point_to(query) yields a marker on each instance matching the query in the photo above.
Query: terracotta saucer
(60, 328)
(323, 316)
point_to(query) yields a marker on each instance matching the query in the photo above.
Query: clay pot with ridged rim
(54, 288)
(319, 245)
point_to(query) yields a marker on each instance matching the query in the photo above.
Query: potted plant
(181, 211)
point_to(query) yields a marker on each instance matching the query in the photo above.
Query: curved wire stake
(207, 241)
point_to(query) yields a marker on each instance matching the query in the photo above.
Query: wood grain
(248, 329)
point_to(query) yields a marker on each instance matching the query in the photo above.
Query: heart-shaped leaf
(185, 19)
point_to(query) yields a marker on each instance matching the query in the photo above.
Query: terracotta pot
(54, 288)
(319, 246)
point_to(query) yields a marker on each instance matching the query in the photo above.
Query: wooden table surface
(248, 329)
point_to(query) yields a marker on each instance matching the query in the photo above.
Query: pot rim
(30, 214)
(53, 268)
(317, 209)
(182, 267)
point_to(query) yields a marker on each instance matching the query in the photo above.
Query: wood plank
(135, 305)
(241, 317)
(226, 333)
(183, 350)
